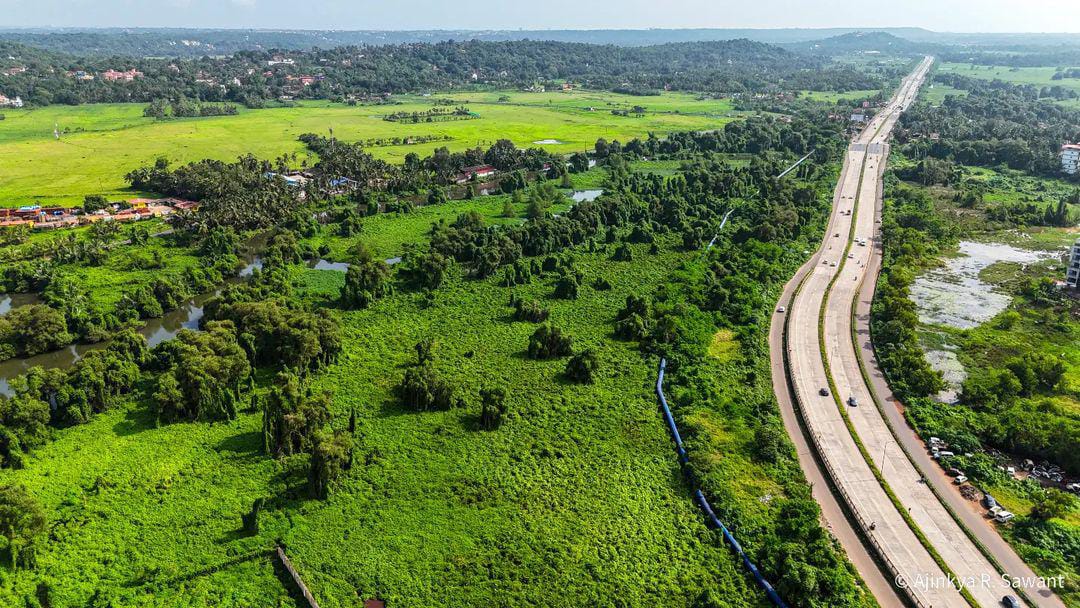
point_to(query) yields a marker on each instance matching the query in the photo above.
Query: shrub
(529, 310)
(493, 408)
(548, 342)
(582, 367)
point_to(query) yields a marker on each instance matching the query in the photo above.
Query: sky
(939, 15)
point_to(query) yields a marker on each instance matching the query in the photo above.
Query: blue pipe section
(699, 496)
(668, 418)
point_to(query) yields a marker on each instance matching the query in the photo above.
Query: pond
(954, 295)
(155, 331)
(321, 264)
(547, 142)
(952, 371)
(581, 196)
(9, 301)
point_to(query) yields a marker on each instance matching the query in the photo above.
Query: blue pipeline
(703, 504)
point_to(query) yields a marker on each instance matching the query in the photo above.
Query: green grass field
(833, 97)
(936, 92)
(1037, 76)
(101, 143)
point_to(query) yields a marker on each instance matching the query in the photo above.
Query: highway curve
(912, 535)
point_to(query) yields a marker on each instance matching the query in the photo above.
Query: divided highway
(897, 531)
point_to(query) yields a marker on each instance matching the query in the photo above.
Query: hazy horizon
(960, 16)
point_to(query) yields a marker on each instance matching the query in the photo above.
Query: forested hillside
(252, 77)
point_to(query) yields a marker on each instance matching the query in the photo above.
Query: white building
(9, 102)
(1072, 271)
(1070, 158)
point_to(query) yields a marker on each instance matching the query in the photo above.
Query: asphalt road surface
(820, 318)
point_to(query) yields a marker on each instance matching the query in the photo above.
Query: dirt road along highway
(914, 540)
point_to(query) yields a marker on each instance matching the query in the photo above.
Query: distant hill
(859, 42)
(177, 42)
(199, 42)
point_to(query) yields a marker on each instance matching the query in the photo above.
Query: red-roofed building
(479, 172)
(128, 76)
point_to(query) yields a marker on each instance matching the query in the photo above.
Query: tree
(94, 202)
(437, 196)
(423, 389)
(508, 209)
(582, 367)
(292, 415)
(203, 374)
(22, 523)
(366, 280)
(331, 456)
(493, 407)
(34, 329)
(567, 287)
(529, 310)
(1053, 504)
(548, 342)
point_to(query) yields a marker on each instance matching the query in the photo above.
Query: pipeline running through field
(699, 496)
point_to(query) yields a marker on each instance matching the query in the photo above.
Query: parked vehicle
(960, 479)
(1003, 516)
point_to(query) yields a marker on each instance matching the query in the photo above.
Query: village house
(80, 75)
(15, 70)
(127, 76)
(10, 102)
(478, 172)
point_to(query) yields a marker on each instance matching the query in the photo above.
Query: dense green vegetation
(396, 427)
(994, 123)
(350, 72)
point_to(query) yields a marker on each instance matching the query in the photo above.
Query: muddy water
(954, 295)
(952, 371)
(155, 331)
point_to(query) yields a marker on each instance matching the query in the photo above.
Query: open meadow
(1035, 76)
(100, 143)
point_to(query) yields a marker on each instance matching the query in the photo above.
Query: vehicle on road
(781, 309)
(852, 401)
(824, 392)
(1010, 602)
